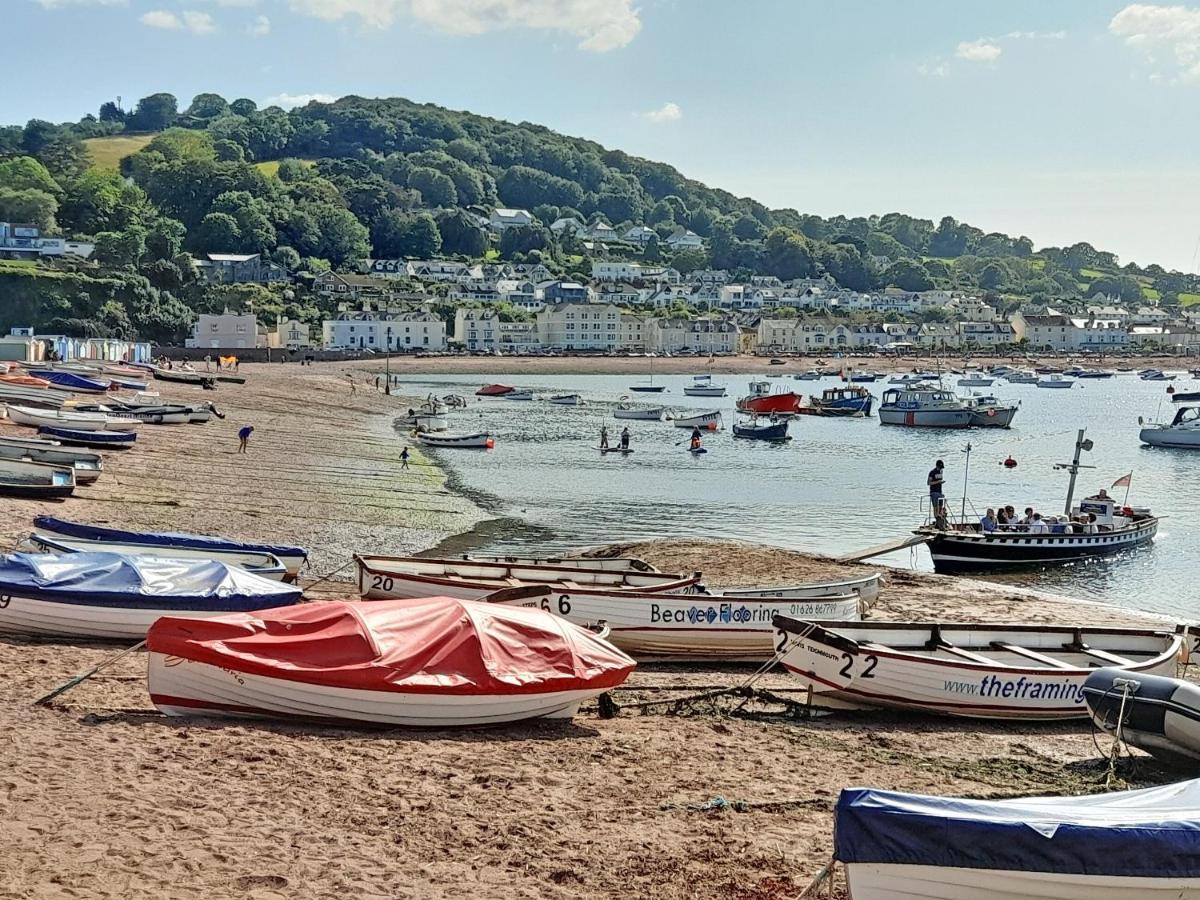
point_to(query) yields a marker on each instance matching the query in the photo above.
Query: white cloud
(933, 69)
(600, 25)
(1037, 35)
(199, 22)
(161, 18)
(1174, 30)
(291, 101)
(260, 27)
(668, 112)
(981, 50)
(51, 4)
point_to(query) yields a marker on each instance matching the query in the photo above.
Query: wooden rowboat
(76, 421)
(87, 465)
(480, 440)
(104, 440)
(977, 670)
(607, 563)
(867, 587)
(19, 478)
(264, 565)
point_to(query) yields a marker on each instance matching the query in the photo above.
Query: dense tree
(154, 113)
(31, 207)
(436, 188)
(521, 239)
(243, 107)
(398, 234)
(1124, 287)
(461, 234)
(786, 255)
(120, 248)
(908, 275)
(217, 233)
(524, 187)
(993, 277)
(689, 261)
(110, 112)
(207, 106)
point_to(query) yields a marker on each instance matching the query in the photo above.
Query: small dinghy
(605, 563)
(518, 395)
(977, 670)
(1160, 715)
(866, 587)
(402, 577)
(291, 557)
(76, 421)
(567, 400)
(87, 466)
(644, 414)
(431, 663)
(37, 398)
(479, 440)
(776, 432)
(620, 451)
(19, 478)
(264, 565)
(182, 376)
(494, 390)
(1142, 844)
(147, 415)
(710, 420)
(106, 440)
(109, 596)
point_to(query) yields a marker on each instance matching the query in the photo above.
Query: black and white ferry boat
(1112, 527)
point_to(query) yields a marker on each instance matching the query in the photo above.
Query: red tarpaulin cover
(435, 645)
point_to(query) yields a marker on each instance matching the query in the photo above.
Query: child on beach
(404, 458)
(244, 436)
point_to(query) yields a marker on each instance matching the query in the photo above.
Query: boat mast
(1074, 466)
(966, 470)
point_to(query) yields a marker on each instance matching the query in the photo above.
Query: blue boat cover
(140, 582)
(70, 379)
(160, 538)
(108, 437)
(1152, 833)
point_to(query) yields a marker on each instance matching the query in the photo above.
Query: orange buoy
(712, 426)
(491, 443)
(1010, 463)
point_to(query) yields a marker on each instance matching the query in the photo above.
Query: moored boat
(494, 390)
(109, 596)
(435, 662)
(770, 431)
(518, 395)
(19, 478)
(1183, 432)
(988, 412)
(479, 440)
(1113, 846)
(1055, 381)
(923, 406)
(975, 380)
(761, 401)
(976, 670)
(567, 400)
(839, 402)
(644, 414)
(709, 421)
(291, 557)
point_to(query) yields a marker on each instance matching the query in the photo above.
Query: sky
(1065, 121)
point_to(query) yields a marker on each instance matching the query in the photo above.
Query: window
(215, 327)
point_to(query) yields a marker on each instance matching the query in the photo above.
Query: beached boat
(977, 670)
(24, 381)
(1116, 846)
(87, 466)
(72, 381)
(770, 431)
(431, 663)
(479, 440)
(1160, 715)
(681, 625)
(923, 406)
(183, 377)
(605, 563)
(643, 414)
(40, 398)
(110, 596)
(494, 390)
(76, 421)
(147, 415)
(425, 422)
(866, 586)
(34, 443)
(400, 577)
(839, 402)
(567, 400)
(264, 565)
(988, 412)
(19, 478)
(170, 542)
(105, 440)
(1183, 432)
(1055, 381)
(230, 379)
(709, 421)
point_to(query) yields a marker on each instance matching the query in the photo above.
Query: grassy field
(107, 152)
(270, 168)
(1189, 299)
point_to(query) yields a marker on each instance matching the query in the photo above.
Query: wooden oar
(79, 679)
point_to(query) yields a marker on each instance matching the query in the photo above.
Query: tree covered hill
(329, 184)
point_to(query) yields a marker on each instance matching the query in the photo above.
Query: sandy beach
(102, 797)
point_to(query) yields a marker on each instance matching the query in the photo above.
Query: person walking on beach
(603, 437)
(350, 378)
(625, 438)
(404, 459)
(244, 437)
(936, 479)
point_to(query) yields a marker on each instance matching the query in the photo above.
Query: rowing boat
(76, 421)
(105, 440)
(19, 478)
(87, 466)
(651, 414)
(110, 596)
(398, 577)
(977, 670)
(431, 663)
(866, 587)
(479, 440)
(72, 381)
(607, 563)
(705, 420)
(264, 565)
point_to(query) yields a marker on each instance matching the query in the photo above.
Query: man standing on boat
(935, 480)
(603, 437)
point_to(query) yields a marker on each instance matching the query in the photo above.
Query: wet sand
(104, 798)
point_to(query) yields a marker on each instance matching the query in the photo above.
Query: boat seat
(1032, 654)
(966, 654)
(513, 582)
(1102, 655)
(573, 585)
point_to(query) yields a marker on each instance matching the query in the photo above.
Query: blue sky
(1065, 121)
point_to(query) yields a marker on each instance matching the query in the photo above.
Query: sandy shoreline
(102, 798)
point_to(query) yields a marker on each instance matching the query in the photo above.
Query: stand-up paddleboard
(697, 451)
(620, 450)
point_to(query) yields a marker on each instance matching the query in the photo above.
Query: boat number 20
(870, 661)
(381, 583)
(564, 604)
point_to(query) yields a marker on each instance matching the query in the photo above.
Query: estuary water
(839, 485)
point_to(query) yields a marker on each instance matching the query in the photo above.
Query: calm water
(840, 484)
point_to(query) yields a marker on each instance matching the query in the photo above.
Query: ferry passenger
(935, 480)
(1037, 526)
(1027, 519)
(1091, 527)
(625, 438)
(1002, 517)
(1102, 494)
(988, 522)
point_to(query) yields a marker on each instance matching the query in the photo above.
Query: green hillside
(106, 153)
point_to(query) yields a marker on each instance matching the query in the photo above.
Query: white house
(578, 326)
(477, 329)
(394, 330)
(509, 218)
(290, 334)
(227, 331)
(602, 231)
(566, 225)
(685, 239)
(639, 234)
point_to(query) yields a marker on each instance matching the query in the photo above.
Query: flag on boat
(1123, 481)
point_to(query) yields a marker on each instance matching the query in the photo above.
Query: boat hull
(265, 565)
(776, 432)
(867, 587)
(925, 418)
(182, 687)
(979, 552)
(891, 881)
(709, 420)
(993, 417)
(640, 415)
(481, 441)
(106, 440)
(25, 616)
(1184, 439)
(780, 404)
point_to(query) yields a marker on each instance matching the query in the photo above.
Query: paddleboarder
(625, 438)
(603, 437)
(695, 438)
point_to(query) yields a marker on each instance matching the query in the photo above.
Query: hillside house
(509, 218)
(240, 268)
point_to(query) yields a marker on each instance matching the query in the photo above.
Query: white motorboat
(974, 380)
(1183, 432)
(75, 421)
(867, 587)
(87, 465)
(710, 420)
(264, 565)
(518, 395)
(1109, 846)
(401, 577)
(705, 390)
(1021, 376)
(923, 406)
(424, 422)
(567, 400)
(480, 440)
(375, 663)
(643, 414)
(976, 670)
(810, 375)
(1056, 381)
(988, 412)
